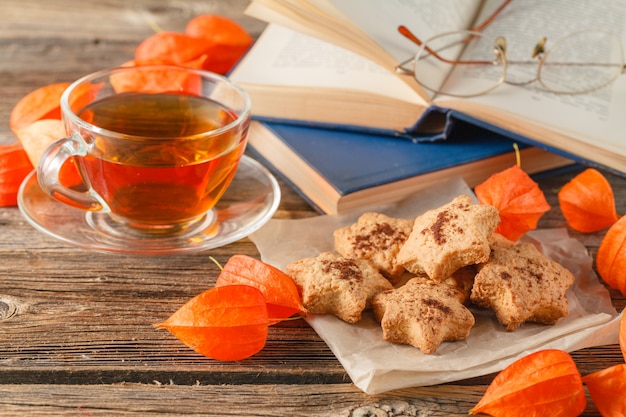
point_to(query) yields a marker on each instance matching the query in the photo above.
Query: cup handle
(48, 171)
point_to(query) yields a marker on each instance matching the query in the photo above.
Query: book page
(292, 59)
(320, 19)
(596, 117)
(425, 18)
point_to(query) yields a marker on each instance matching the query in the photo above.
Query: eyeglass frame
(500, 57)
(500, 54)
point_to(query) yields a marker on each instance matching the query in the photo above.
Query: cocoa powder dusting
(382, 237)
(343, 269)
(443, 218)
(436, 304)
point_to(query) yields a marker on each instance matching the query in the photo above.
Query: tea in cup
(155, 146)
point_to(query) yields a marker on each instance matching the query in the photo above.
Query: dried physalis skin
(587, 202)
(14, 167)
(608, 390)
(611, 256)
(224, 323)
(219, 41)
(170, 48)
(227, 41)
(158, 80)
(36, 137)
(622, 335)
(42, 103)
(281, 293)
(518, 198)
(544, 383)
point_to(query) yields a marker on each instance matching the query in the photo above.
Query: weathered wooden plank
(165, 399)
(76, 334)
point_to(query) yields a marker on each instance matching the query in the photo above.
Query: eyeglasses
(579, 63)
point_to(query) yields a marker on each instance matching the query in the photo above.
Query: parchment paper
(375, 365)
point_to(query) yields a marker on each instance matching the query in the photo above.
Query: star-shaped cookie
(332, 284)
(450, 237)
(377, 238)
(520, 284)
(423, 313)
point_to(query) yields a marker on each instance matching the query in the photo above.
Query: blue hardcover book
(340, 170)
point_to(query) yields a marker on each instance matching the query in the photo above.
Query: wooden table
(76, 335)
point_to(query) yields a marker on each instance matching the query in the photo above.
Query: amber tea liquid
(173, 170)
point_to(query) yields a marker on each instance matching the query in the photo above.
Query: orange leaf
(544, 383)
(587, 202)
(608, 390)
(43, 103)
(518, 199)
(227, 40)
(611, 256)
(280, 290)
(226, 323)
(14, 167)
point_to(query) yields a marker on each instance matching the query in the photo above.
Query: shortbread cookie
(463, 279)
(332, 284)
(422, 313)
(520, 284)
(376, 238)
(450, 237)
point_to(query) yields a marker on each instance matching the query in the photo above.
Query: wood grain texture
(76, 328)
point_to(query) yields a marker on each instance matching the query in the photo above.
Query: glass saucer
(248, 203)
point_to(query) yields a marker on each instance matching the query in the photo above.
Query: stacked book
(337, 121)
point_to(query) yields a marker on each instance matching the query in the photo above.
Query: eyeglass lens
(579, 63)
(485, 68)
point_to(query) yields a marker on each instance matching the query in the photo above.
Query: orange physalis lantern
(224, 323)
(587, 202)
(518, 198)
(226, 40)
(608, 390)
(611, 256)
(545, 383)
(14, 166)
(42, 103)
(281, 293)
(622, 335)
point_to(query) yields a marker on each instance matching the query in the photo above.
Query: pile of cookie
(420, 276)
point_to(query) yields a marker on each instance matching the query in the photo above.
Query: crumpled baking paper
(375, 365)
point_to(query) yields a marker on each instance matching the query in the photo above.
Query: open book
(333, 62)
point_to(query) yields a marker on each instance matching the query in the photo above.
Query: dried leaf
(544, 383)
(517, 197)
(280, 290)
(587, 202)
(14, 167)
(611, 256)
(608, 390)
(42, 103)
(224, 323)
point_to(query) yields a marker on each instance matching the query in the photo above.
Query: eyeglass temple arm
(404, 31)
(493, 15)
